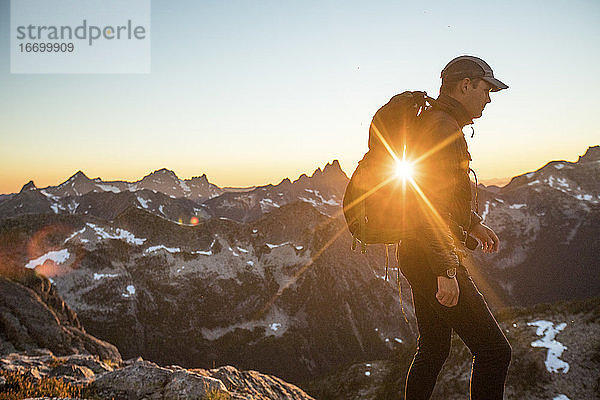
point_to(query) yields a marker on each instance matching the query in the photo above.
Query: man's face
(475, 97)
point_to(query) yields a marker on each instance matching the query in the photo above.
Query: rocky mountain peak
(334, 168)
(285, 182)
(160, 175)
(77, 184)
(165, 172)
(202, 180)
(28, 187)
(78, 176)
(592, 154)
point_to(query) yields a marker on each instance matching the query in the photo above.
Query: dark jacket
(443, 175)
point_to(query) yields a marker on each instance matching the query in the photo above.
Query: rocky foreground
(138, 378)
(41, 338)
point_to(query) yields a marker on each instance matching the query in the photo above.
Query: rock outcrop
(138, 378)
(32, 315)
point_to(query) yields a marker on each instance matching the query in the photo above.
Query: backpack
(379, 206)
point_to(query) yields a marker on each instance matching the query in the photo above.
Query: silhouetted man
(444, 295)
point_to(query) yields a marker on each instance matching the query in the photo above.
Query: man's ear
(464, 85)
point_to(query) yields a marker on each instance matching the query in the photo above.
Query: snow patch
(332, 201)
(50, 196)
(108, 188)
(533, 182)
(130, 291)
(55, 207)
(561, 397)
(265, 203)
(58, 256)
(204, 253)
(530, 175)
(486, 211)
(121, 234)
(367, 373)
(586, 197)
(555, 348)
(102, 276)
(274, 326)
(310, 201)
(143, 202)
(562, 182)
(517, 206)
(72, 207)
(251, 263)
(559, 166)
(163, 247)
(242, 250)
(272, 246)
(75, 234)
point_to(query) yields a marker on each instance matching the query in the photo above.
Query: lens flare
(194, 220)
(404, 170)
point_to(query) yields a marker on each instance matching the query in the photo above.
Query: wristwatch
(451, 273)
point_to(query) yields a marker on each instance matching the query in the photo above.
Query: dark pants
(471, 319)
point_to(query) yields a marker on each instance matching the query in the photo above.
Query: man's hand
(489, 241)
(447, 293)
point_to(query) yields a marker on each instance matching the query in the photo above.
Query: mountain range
(260, 276)
(246, 286)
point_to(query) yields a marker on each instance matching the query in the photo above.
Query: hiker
(444, 295)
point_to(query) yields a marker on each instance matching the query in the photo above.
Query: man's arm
(438, 179)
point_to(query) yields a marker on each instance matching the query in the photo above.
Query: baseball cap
(472, 67)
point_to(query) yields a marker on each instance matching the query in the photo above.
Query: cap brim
(496, 84)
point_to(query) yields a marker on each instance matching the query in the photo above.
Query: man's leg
(433, 347)
(478, 329)
(470, 318)
(433, 344)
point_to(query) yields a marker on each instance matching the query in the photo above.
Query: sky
(251, 92)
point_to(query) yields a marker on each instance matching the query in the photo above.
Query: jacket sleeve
(442, 253)
(437, 179)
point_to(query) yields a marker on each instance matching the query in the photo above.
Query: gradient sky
(250, 92)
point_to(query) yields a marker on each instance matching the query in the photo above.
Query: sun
(404, 170)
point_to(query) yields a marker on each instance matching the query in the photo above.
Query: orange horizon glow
(489, 171)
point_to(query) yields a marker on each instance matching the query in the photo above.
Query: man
(444, 295)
